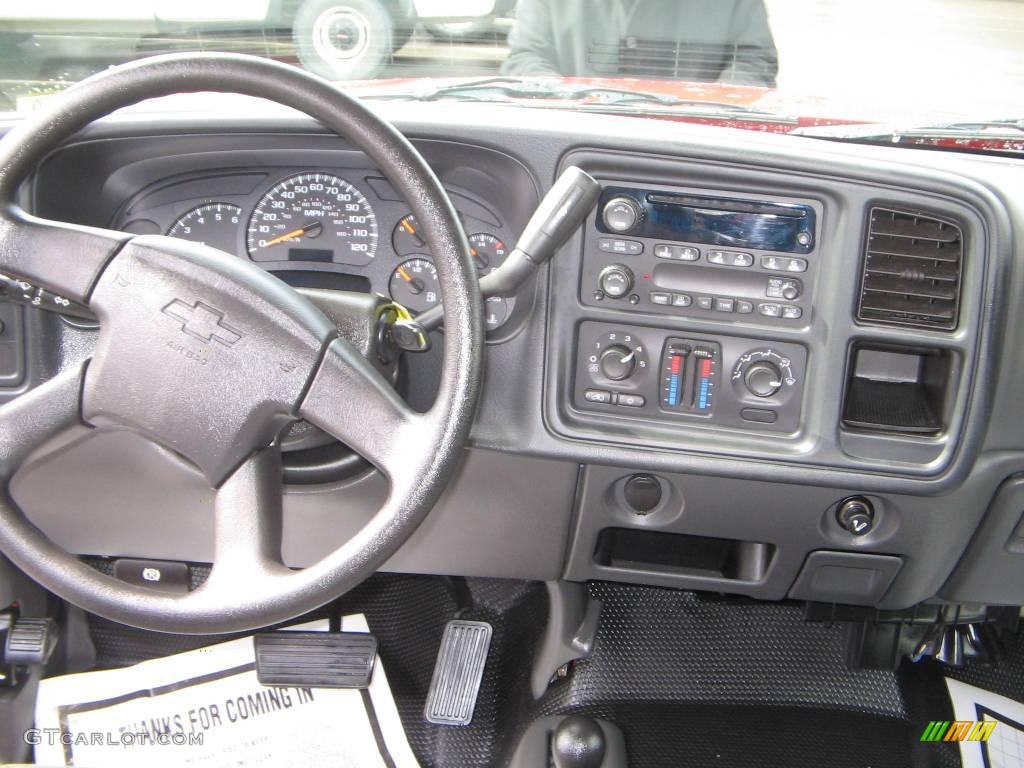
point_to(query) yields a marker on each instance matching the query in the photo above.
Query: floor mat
(205, 708)
(691, 679)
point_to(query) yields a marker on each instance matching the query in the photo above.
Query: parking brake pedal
(315, 659)
(30, 641)
(458, 673)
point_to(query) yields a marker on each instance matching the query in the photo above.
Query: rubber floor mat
(693, 680)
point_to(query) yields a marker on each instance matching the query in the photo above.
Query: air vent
(912, 270)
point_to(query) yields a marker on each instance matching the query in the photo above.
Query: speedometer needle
(295, 234)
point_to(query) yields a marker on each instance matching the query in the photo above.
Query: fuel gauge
(414, 285)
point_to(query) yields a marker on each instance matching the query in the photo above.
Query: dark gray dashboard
(749, 475)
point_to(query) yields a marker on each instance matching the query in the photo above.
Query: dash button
(759, 415)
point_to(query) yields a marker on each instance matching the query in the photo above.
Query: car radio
(697, 253)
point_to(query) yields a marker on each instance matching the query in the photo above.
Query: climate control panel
(657, 373)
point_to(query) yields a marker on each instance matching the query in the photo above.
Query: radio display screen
(724, 222)
(730, 229)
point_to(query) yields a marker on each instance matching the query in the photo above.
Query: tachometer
(214, 224)
(313, 217)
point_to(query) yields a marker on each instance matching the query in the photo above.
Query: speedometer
(313, 217)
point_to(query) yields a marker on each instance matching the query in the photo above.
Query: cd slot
(729, 206)
(695, 280)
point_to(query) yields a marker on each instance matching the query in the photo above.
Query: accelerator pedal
(458, 673)
(315, 659)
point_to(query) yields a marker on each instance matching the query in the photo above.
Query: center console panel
(744, 312)
(688, 252)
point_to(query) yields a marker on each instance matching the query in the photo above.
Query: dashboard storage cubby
(676, 553)
(897, 390)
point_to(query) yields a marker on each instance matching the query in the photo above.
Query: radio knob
(618, 362)
(616, 280)
(790, 292)
(763, 379)
(621, 214)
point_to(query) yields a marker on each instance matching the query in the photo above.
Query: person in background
(726, 41)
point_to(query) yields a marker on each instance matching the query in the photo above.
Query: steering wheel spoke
(64, 259)
(349, 399)
(37, 416)
(247, 523)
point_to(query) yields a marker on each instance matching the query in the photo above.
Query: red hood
(800, 111)
(789, 110)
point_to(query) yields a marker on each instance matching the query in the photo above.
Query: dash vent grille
(912, 268)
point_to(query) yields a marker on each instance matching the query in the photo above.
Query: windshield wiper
(1011, 129)
(556, 94)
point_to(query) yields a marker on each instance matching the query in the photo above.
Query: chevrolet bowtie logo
(203, 322)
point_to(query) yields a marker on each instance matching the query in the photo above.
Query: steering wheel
(212, 357)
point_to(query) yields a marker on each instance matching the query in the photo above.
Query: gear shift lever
(578, 742)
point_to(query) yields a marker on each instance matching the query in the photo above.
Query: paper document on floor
(989, 727)
(206, 708)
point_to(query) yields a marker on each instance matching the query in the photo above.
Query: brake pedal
(458, 672)
(315, 659)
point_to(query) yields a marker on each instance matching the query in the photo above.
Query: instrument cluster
(318, 228)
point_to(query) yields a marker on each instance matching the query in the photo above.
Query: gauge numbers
(313, 217)
(213, 224)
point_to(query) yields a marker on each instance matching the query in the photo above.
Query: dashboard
(765, 365)
(334, 228)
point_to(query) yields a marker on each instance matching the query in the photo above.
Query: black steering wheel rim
(252, 589)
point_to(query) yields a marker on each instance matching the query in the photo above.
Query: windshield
(933, 69)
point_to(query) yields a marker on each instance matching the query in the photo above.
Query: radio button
(704, 302)
(783, 264)
(770, 310)
(783, 288)
(661, 298)
(725, 305)
(792, 313)
(744, 307)
(616, 280)
(676, 252)
(730, 258)
(621, 214)
(681, 299)
(616, 245)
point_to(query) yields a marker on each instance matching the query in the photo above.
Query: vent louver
(912, 268)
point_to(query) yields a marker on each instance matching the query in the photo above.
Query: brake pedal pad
(315, 659)
(458, 673)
